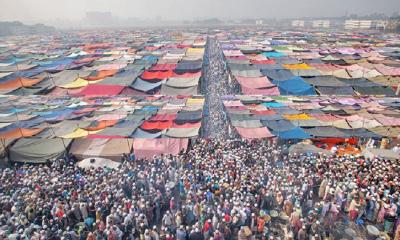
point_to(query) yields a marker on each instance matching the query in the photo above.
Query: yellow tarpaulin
(300, 66)
(302, 116)
(78, 133)
(78, 83)
(195, 101)
(195, 50)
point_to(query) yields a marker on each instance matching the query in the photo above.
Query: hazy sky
(45, 10)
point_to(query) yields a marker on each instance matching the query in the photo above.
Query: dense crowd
(229, 189)
(216, 85)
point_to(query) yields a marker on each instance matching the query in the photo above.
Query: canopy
(372, 153)
(295, 86)
(182, 132)
(34, 150)
(101, 90)
(105, 148)
(295, 133)
(252, 133)
(148, 148)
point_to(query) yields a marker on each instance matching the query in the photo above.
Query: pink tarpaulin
(388, 121)
(101, 90)
(165, 66)
(163, 117)
(186, 125)
(254, 82)
(57, 91)
(274, 91)
(147, 148)
(251, 133)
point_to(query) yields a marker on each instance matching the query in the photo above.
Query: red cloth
(163, 67)
(160, 125)
(163, 117)
(101, 90)
(149, 75)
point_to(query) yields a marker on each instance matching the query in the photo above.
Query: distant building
(259, 22)
(321, 24)
(381, 24)
(298, 23)
(358, 24)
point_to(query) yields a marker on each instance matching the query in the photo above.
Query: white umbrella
(98, 163)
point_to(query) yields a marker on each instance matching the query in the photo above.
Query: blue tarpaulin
(295, 133)
(274, 54)
(295, 86)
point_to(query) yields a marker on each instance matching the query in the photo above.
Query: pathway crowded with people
(216, 85)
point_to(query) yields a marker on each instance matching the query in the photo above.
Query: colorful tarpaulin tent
(253, 133)
(35, 150)
(147, 148)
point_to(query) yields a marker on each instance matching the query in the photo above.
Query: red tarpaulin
(163, 117)
(147, 148)
(163, 67)
(149, 75)
(160, 125)
(268, 61)
(101, 90)
(263, 112)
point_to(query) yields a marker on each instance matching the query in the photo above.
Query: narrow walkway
(215, 86)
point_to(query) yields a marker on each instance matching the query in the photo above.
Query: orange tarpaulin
(96, 46)
(148, 75)
(348, 150)
(20, 132)
(101, 74)
(98, 125)
(19, 82)
(160, 125)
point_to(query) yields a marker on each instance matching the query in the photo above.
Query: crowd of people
(216, 84)
(217, 189)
